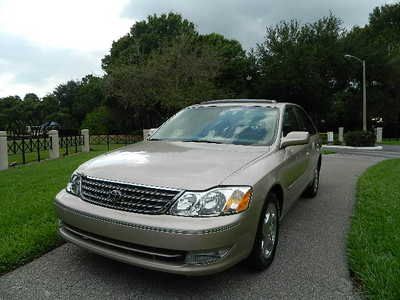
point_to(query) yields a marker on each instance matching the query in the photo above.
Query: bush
(360, 138)
(97, 121)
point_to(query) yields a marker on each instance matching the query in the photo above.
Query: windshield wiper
(202, 141)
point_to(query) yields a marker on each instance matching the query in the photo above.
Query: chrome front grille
(127, 197)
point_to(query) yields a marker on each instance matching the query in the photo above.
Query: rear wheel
(266, 240)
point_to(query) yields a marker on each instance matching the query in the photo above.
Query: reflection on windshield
(240, 125)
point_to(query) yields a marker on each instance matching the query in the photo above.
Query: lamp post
(364, 89)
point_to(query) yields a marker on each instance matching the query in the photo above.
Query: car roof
(244, 102)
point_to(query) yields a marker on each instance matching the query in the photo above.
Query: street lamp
(364, 89)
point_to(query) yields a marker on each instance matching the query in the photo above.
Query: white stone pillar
(54, 151)
(145, 133)
(86, 145)
(148, 132)
(379, 134)
(3, 150)
(340, 138)
(330, 137)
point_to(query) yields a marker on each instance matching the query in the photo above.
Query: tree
(11, 113)
(146, 37)
(301, 62)
(76, 99)
(98, 121)
(16, 114)
(379, 44)
(235, 65)
(164, 64)
(146, 94)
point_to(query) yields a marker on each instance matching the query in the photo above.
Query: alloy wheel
(269, 230)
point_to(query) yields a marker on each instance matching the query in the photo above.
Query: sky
(44, 43)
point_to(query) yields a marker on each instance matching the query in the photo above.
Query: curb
(375, 148)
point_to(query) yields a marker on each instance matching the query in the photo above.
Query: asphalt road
(310, 262)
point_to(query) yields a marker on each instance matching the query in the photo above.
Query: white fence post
(54, 151)
(3, 150)
(340, 138)
(86, 145)
(330, 137)
(379, 134)
(148, 132)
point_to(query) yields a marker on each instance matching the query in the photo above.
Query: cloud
(245, 20)
(25, 67)
(10, 86)
(46, 42)
(87, 25)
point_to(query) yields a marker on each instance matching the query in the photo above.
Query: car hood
(190, 166)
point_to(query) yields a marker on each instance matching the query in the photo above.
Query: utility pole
(364, 109)
(364, 98)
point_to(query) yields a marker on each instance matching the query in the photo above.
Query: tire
(266, 241)
(312, 190)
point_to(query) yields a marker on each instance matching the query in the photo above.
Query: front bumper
(158, 242)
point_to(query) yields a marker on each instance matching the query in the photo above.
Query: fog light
(204, 258)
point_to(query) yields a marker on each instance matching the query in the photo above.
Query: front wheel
(266, 240)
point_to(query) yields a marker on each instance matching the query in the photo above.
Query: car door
(313, 151)
(296, 158)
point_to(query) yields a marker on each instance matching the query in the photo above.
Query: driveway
(310, 262)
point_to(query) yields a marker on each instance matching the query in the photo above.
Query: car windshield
(240, 125)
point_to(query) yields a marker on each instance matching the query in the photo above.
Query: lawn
(327, 152)
(374, 238)
(390, 142)
(27, 220)
(29, 157)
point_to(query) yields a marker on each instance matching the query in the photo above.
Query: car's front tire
(267, 235)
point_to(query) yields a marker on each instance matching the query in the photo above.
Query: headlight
(218, 201)
(74, 185)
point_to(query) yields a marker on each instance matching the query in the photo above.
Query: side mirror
(294, 138)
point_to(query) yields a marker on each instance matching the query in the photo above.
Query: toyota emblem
(115, 196)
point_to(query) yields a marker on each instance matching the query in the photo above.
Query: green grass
(327, 152)
(374, 238)
(390, 142)
(29, 157)
(27, 219)
(104, 147)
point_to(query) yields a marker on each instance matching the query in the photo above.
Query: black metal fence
(24, 148)
(70, 143)
(19, 147)
(114, 139)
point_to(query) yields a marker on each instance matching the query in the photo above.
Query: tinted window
(304, 121)
(242, 125)
(289, 121)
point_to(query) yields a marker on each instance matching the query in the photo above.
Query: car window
(241, 125)
(305, 121)
(289, 121)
